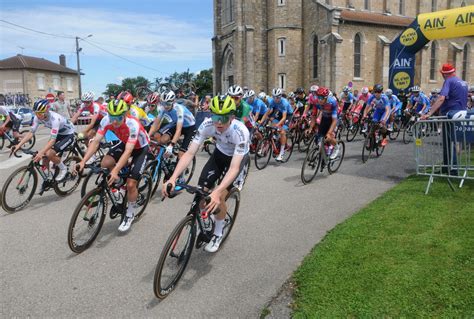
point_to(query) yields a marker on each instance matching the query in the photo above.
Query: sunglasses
(320, 97)
(116, 118)
(223, 119)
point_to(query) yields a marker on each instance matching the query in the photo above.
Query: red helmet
(153, 98)
(127, 97)
(322, 91)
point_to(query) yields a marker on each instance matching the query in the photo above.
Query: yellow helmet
(222, 105)
(117, 107)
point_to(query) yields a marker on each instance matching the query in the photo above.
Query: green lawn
(405, 255)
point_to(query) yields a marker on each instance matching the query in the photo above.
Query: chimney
(62, 60)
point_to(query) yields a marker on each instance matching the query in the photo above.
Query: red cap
(447, 68)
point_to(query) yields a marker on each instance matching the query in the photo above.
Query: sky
(156, 37)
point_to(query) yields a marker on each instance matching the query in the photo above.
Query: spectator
(61, 106)
(470, 98)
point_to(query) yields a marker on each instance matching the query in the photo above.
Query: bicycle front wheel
(367, 148)
(19, 188)
(71, 181)
(87, 220)
(352, 132)
(233, 203)
(310, 166)
(144, 193)
(174, 257)
(263, 152)
(407, 134)
(334, 164)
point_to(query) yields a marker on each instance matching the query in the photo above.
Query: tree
(203, 82)
(112, 89)
(138, 86)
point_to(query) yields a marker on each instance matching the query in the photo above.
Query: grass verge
(405, 255)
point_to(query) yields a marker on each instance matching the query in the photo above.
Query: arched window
(357, 55)
(227, 11)
(465, 61)
(315, 56)
(434, 48)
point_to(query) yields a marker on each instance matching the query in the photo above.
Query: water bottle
(206, 220)
(119, 194)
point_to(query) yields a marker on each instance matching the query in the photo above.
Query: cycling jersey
(420, 101)
(6, 111)
(58, 124)
(395, 103)
(379, 104)
(140, 115)
(364, 97)
(280, 108)
(243, 111)
(178, 114)
(258, 106)
(94, 109)
(234, 141)
(130, 131)
(313, 100)
(329, 109)
(301, 100)
(347, 97)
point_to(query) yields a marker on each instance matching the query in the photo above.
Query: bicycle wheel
(144, 186)
(233, 203)
(174, 257)
(379, 150)
(19, 188)
(352, 132)
(310, 166)
(334, 164)
(407, 134)
(28, 145)
(263, 152)
(91, 181)
(367, 147)
(304, 142)
(87, 220)
(2, 142)
(71, 181)
(288, 148)
(396, 130)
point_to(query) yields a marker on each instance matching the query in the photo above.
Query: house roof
(28, 62)
(375, 18)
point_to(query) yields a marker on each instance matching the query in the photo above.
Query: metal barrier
(443, 148)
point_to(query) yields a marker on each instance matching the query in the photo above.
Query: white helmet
(330, 94)
(364, 90)
(168, 96)
(388, 92)
(313, 88)
(250, 93)
(235, 90)
(291, 95)
(276, 92)
(87, 97)
(262, 95)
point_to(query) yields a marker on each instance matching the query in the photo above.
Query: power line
(37, 31)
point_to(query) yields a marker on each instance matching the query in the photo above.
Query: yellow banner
(445, 24)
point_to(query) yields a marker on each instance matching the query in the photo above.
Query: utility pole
(78, 49)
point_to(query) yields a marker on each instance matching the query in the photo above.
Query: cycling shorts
(346, 106)
(139, 159)
(63, 142)
(216, 167)
(284, 126)
(187, 132)
(378, 115)
(324, 126)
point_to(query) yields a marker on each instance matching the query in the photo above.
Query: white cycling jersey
(233, 141)
(58, 124)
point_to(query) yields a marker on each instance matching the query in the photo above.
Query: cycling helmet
(378, 88)
(471, 89)
(235, 90)
(299, 90)
(262, 95)
(322, 91)
(250, 93)
(41, 106)
(87, 97)
(125, 96)
(117, 107)
(276, 92)
(364, 90)
(291, 95)
(153, 98)
(345, 89)
(168, 96)
(415, 89)
(222, 105)
(438, 91)
(314, 88)
(388, 92)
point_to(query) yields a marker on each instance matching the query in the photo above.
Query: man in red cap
(453, 96)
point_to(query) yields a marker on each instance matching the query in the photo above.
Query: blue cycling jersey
(258, 106)
(420, 101)
(347, 97)
(280, 108)
(379, 104)
(178, 114)
(395, 103)
(329, 109)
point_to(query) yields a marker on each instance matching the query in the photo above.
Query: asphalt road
(279, 221)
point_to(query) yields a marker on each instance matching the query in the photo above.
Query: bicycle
(372, 142)
(19, 181)
(270, 144)
(89, 215)
(317, 159)
(408, 132)
(396, 128)
(7, 134)
(194, 230)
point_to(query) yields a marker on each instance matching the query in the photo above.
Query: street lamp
(78, 49)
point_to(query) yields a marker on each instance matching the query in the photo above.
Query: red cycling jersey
(94, 108)
(131, 131)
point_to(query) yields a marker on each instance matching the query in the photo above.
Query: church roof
(375, 18)
(28, 62)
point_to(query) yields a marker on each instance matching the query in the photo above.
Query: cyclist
(434, 95)
(96, 110)
(134, 110)
(259, 108)
(312, 102)
(280, 111)
(300, 100)
(395, 107)
(264, 97)
(418, 101)
(180, 122)
(327, 119)
(381, 104)
(346, 98)
(243, 112)
(133, 144)
(232, 148)
(62, 135)
(12, 121)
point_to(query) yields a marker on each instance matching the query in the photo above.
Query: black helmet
(378, 88)
(299, 90)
